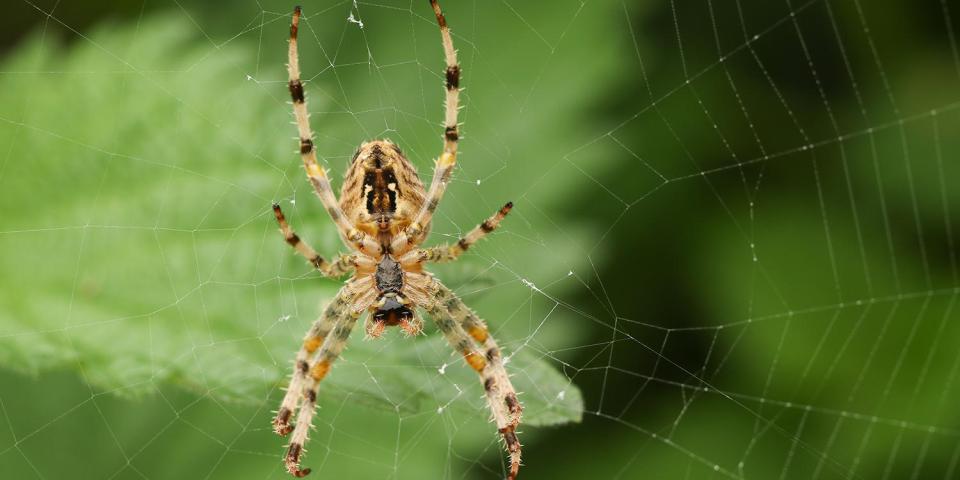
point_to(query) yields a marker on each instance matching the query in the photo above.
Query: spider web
(732, 252)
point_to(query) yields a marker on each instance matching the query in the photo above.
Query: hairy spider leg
(318, 177)
(448, 253)
(443, 169)
(333, 345)
(462, 328)
(313, 340)
(342, 265)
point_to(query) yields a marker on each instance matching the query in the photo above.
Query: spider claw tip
(302, 473)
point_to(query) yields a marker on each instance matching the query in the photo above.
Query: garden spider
(384, 214)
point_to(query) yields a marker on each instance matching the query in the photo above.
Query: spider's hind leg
(315, 173)
(443, 169)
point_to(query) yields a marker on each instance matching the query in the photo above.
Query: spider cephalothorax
(391, 308)
(384, 215)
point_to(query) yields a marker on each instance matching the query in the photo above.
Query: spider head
(392, 310)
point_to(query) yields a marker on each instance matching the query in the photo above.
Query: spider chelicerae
(383, 215)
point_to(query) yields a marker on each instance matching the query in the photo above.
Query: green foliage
(725, 259)
(139, 183)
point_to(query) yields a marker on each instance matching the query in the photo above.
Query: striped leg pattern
(451, 136)
(341, 266)
(316, 174)
(333, 345)
(462, 328)
(311, 343)
(448, 253)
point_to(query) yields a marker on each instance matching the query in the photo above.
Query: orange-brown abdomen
(381, 190)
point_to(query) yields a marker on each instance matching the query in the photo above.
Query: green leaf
(137, 199)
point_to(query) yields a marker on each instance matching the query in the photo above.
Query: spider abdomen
(381, 190)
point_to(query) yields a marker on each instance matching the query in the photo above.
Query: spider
(383, 215)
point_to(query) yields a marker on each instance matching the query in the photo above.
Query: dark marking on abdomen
(381, 200)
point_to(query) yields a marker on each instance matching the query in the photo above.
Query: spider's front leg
(329, 352)
(314, 339)
(462, 328)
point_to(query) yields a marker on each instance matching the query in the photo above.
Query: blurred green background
(733, 252)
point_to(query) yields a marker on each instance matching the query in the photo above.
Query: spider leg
(460, 325)
(451, 135)
(342, 265)
(313, 340)
(448, 253)
(329, 352)
(318, 177)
